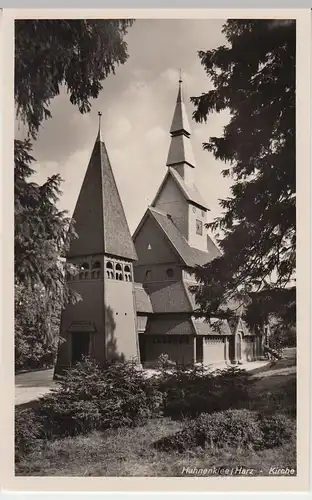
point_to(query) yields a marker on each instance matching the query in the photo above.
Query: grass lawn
(129, 452)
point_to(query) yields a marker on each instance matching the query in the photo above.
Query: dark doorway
(238, 347)
(142, 346)
(232, 349)
(199, 350)
(80, 346)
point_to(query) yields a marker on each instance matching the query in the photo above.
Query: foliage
(190, 392)
(42, 234)
(164, 363)
(36, 329)
(282, 335)
(28, 430)
(32, 352)
(277, 430)
(239, 429)
(87, 52)
(275, 306)
(90, 397)
(253, 77)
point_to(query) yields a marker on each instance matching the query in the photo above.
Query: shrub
(28, 429)
(240, 429)
(230, 428)
(164, 363)
(190, 392)
(90, 397)
(225, 429)
(180, 442)
(277, 430)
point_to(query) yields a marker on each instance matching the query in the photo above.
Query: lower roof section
(219, 327)
(170, 326)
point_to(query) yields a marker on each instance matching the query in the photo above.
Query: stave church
(136, 300)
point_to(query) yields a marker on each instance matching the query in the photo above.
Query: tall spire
(180, 151)
(100, 220)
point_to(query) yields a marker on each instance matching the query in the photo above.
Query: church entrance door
(80, 346)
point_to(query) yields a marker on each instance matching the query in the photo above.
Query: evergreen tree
(77, 54)
(253, 76)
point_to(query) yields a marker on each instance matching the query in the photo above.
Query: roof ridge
(164, 231)
(159, 211)
(188, 294)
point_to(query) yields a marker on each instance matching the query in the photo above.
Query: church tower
(178, 195)
(103, 324)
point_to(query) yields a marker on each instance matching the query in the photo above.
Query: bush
(225, 429)
(190, 392)
(229, 429)
(277, 430)
(28, 429)
(240, 429)
(164, 363)
(90, 397)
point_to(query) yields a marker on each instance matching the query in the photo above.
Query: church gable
(151, 244)
(171, 200)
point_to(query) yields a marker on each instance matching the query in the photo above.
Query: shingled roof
(100, 220)
(142, 300)
(190, 256)
(170, 326)
(190, 193)
(168, 297)
(221, 327)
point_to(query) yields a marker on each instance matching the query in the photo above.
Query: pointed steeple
(100, 220)
(180, 153)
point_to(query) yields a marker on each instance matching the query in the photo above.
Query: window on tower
(148, 275)
(169, 273)
(199, 227)
(118, 272)
(109, 270)
(96, 266)
(84, 270)
(127, 272)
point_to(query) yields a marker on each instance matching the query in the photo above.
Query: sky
(137, 105)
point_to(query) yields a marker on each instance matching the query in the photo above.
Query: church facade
(136, 300)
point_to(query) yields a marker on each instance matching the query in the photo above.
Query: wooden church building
(136, 303)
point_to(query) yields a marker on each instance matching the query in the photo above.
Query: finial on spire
(99, 137)
(180, 97)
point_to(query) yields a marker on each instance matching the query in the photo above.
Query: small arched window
(118, 272)
(148, 275)
(84, 270)
(127, 272)
(169, 273)
(96, 266)
(109, 270)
